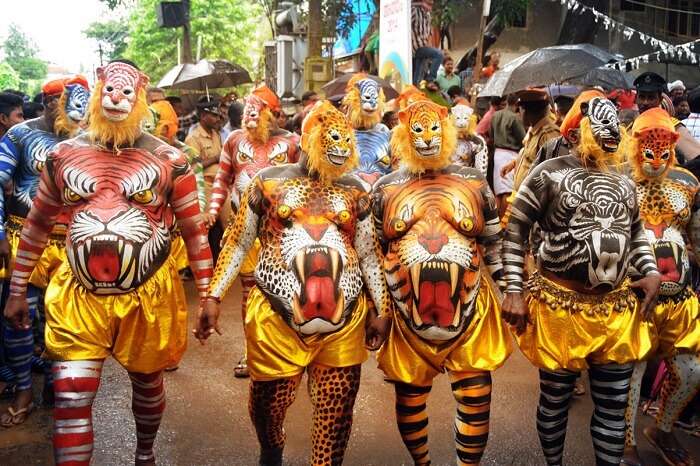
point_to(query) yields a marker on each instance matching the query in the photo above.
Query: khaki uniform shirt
(536, 137)
(208, 146)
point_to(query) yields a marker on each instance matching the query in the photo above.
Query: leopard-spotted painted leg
(412, 418)
(267, 405)
(332, 391)
(472, 390)
(678, 389)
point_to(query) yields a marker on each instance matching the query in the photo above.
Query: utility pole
(315, 32)
(99, 50)
(476, 72)
(186, 43)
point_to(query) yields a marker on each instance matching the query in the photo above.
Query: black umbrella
(548, 65)
(607, 78)
(338, 85)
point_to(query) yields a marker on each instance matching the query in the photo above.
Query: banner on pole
(395, 52)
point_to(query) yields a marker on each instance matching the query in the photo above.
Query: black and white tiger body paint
(590, 225)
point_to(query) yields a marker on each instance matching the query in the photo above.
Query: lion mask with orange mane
(118, 105)
(258, 119)
(329, 142)
(364, 102)
(425, 138)
(651, 148)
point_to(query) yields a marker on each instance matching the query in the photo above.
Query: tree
(20, 54)
(111, 36)
(337, 14)
(503, 14)
(227, 28)
(9, 79)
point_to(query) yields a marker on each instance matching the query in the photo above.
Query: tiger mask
(651, 149)
(328, 141)
(364, 102)
(72, 106)
(425, 137)
(600, 133)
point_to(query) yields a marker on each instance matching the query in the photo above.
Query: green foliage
(227, 28)
(509, 11)
(338, 16)
(111, 35)
(20, 54)
(446, 12)
(9, 78)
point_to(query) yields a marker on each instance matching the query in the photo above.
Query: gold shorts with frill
(677, 324)
(572, 331)
(484, 345)
(275, 350)
(145, 329)
(50, 259)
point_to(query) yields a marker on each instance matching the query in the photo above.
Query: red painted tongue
(434, 305)
(667, 269)
(320, 298)
(103, 263)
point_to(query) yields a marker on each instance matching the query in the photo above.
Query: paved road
(206, 422)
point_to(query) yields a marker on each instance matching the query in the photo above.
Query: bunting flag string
(680, 51)
(610, 23)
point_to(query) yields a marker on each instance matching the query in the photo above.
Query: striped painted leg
(610, 385)
(412, 418)
(147, 404)
(472, 390)
(556, 389)
(75, 384)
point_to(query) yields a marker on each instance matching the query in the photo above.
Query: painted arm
(490, 237)
(186, 208)
(369, 252)
(641, 255)
(35, 233)
(377, 210)
(224, 178)
(236, 246)
(195, 162)
(525, 211)
(9, 158)
(693, 228)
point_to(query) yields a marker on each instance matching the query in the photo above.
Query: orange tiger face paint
(432, 224)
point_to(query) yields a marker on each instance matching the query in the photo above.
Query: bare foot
(668, 447)
(631, 457)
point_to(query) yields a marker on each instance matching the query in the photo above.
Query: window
(633, 5)
(680, 23)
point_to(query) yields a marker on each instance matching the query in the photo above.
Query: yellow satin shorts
(178, 251)
(677, 324)
(50, 259)
(275, 350)
(484, 346)
(571, 330)
(145, 330)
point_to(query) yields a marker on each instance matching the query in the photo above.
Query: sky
(56, 27)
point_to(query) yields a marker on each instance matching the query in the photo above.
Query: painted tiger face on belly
(118, 236)
(591, 219)
(432, 266)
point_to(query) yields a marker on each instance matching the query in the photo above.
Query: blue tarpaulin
(363, 10)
